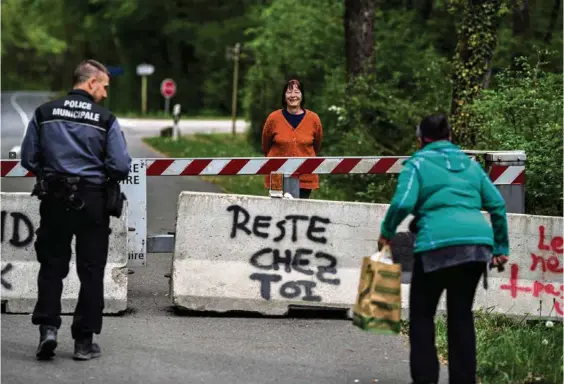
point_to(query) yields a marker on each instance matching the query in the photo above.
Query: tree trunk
(553, 19)
(521, 18)
(359, 24)
(477, 40)
(426, 9)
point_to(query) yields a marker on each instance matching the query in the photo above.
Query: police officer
(75, 148)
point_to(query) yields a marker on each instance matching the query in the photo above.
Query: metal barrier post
(282, 183)
(176, 118)
(276, 185)
(507, 170)
(292, 185)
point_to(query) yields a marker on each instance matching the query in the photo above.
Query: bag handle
(382, 254)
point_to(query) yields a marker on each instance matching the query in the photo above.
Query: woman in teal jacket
(445, 191)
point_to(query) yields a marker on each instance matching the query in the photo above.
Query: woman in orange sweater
(293, 131)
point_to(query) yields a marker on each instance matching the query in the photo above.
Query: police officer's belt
(63, 188)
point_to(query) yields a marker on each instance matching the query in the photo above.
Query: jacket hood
(444, 154)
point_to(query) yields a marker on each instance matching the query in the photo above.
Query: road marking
(23, 117)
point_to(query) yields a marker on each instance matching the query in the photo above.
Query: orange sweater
(279, 138)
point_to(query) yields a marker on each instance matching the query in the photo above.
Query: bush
(524, 112)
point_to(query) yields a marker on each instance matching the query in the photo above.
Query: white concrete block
(20, 220)
(236, 252)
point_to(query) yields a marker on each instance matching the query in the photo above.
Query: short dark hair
(290, 83)
(434, 127)
(87, 69)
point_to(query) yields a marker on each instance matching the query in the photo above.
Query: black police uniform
(75, 148)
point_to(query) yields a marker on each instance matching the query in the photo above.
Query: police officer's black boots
(85, 349)
(47, 342)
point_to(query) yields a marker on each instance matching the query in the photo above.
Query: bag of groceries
(378, 305)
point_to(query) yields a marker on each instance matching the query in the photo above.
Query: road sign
(145, 69)
(115, 71)
(135, 189)
(168, 88)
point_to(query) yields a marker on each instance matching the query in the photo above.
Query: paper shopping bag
(378, 305)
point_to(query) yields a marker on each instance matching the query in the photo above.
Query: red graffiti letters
(537, 288)
(552, 263)
(555, 243)
(546, 264)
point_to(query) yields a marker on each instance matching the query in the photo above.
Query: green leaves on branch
(524, 112)
(37, 36)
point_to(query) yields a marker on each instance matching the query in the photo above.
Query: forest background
(371, 70)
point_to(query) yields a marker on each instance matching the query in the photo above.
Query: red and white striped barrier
(500, 175)
(507, 174)
(264, 166)
(13, 168)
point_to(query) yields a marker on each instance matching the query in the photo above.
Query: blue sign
(115, 71)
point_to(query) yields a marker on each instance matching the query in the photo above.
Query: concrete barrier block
(236, 252)
(20, 220)
(249, 253)
(532, 282)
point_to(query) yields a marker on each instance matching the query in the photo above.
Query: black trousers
(460, 283)
(91, 228)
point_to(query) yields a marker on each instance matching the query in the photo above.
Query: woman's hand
(498, 261)
(382, 242)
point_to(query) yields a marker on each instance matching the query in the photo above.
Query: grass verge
(227, 145)
(510, 350)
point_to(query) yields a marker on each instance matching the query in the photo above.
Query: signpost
(168, 90)
(114, 72)
(135, 189)
(176, 117)
(144, 70)
(236, 53)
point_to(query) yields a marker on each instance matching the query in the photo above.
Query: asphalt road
(153, 344)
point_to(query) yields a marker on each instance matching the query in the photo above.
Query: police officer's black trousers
(460, 283)
(57, 226)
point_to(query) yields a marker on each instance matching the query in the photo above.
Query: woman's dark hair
(290, 84)
(434, 127)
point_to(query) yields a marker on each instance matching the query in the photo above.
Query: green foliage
(509, 350)
(512, 45)
(377, 113)
(183, 40)
(512, 352)
(29, 49)
(426, 53)
(525, 113)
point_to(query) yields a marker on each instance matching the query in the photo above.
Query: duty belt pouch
(115, 198)
(61, 188)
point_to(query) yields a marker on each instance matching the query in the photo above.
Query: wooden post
(144, 94)
(236, 52)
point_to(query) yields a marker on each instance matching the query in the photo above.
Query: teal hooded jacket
(446, 190)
